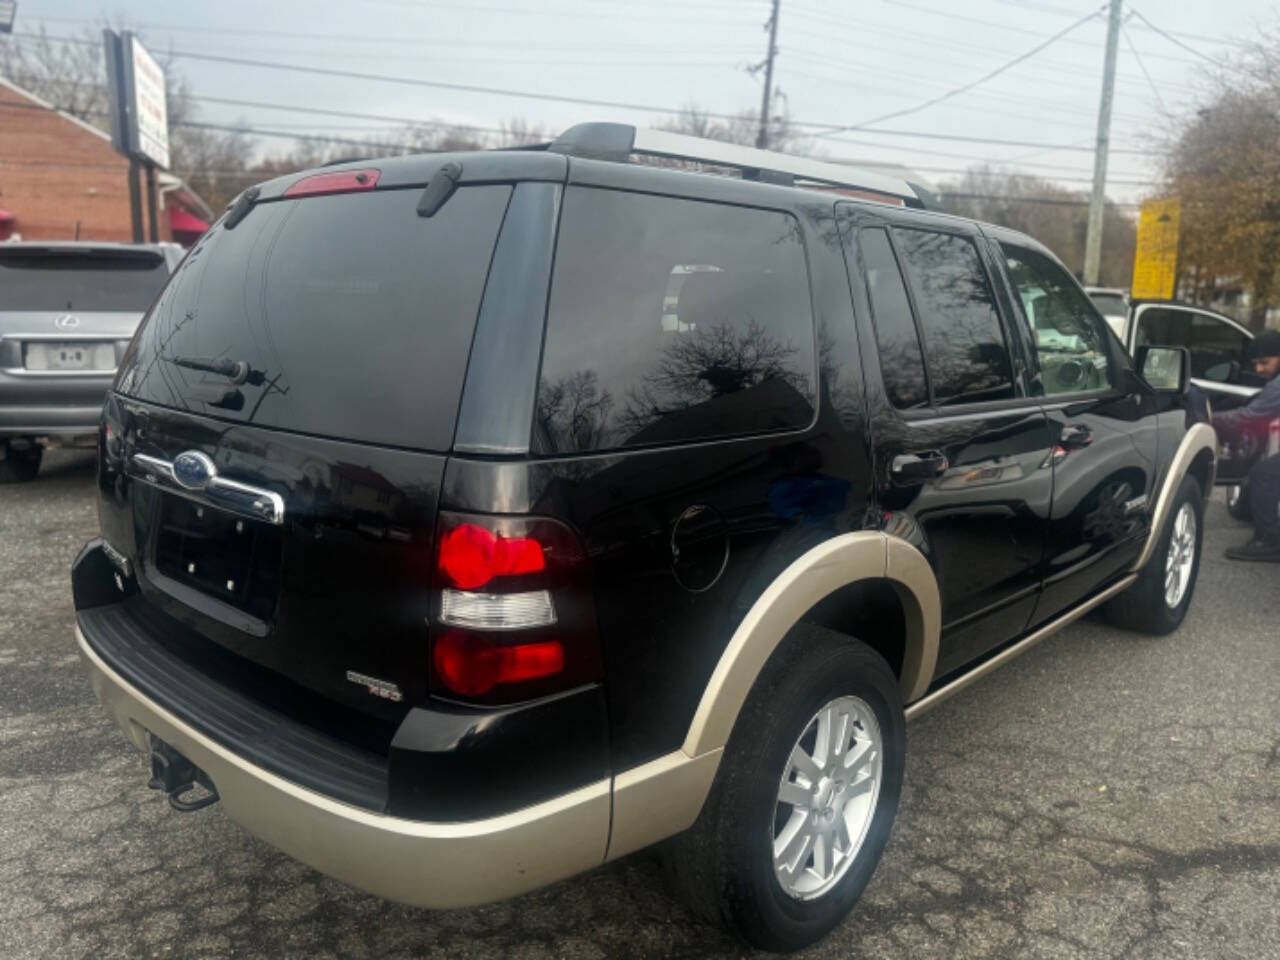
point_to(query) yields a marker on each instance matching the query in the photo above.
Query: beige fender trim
(837, 562)
(664, 796)
(1199, 437)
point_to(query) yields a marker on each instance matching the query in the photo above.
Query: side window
(673, 320)
(1071, 345)
(1215, 344)
(964, 343)
(1210, 342)
(1165, 327)
(901, 363)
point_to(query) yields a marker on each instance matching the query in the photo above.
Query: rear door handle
(918, 467)
(1074, 436)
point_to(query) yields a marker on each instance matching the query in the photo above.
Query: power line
(969, 86)
(250, 129)
(1048, 201)
(984, 108)
(347, 39)
(1174, 40)
(1010, 27)
(915, 38)
(646, 108)
(1154, 89)
(1062, 11)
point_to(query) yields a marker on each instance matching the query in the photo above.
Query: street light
(7, 10)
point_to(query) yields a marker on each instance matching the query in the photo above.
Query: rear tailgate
(313, 356)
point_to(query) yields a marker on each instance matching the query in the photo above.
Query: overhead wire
(964, 88)
(1154, 89)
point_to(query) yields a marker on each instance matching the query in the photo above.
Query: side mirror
(1166, 369)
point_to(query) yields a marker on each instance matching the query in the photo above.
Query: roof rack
(617, 142)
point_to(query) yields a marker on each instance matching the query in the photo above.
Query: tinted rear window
(354, 314)
(31, 280)
(673, 320)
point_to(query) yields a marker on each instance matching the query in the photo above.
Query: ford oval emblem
(193, 470)
(68, 321)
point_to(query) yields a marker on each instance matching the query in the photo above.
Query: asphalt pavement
(1105, 795)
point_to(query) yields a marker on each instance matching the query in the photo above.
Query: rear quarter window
(671, 321)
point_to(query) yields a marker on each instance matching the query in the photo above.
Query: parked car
(1113, 304)
(470, 520)
(1221, 369)
(67, 311)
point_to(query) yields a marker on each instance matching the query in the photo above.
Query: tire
(20, 464)
(1238, 502)
(723, 866)
(1145, 606)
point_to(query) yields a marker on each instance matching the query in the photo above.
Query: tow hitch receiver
(174, 774)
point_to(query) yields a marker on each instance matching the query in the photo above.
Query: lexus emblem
(68, 321)
(193, 470)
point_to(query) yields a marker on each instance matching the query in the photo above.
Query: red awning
(6, 216)
(183, 222)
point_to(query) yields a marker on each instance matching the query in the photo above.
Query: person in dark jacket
(1264, 478)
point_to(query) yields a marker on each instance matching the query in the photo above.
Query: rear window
(53, 280)
(673, 320)
(353, 315)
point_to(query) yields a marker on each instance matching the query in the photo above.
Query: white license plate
(71, 356)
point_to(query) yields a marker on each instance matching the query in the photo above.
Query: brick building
(60, 179)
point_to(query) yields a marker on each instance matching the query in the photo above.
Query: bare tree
(705, 364)
(1225, 166)
(68, 75)
(1056, 217)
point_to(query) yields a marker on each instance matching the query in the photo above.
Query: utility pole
(766, 98)
(1097, 202)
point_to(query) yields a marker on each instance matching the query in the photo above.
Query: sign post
(139, 119)
(1155, 262)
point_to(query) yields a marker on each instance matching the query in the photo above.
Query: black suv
(471, 520)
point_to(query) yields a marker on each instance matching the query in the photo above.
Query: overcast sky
(839, 62)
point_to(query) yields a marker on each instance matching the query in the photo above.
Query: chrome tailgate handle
(193, 475)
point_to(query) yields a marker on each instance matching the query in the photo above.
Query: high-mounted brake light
(340, 181)
(471, 556)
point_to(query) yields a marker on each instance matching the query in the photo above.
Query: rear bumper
(435, 865)
(43, 420)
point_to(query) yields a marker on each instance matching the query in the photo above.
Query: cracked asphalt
(1105, 795)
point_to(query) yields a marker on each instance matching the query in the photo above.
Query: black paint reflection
(695, 322)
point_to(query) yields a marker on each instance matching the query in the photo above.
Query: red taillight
(473, 665)
(512, 613)
(470, 556)
(341, 181)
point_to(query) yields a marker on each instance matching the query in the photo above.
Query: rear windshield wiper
(237, 371)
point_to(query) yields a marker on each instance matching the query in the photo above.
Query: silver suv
(67, 312)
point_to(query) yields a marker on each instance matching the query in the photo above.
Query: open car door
(1220, 370)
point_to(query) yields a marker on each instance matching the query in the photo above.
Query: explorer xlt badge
(379, 688)
(655, 503)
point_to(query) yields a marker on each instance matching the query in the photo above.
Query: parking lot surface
(1105, 795)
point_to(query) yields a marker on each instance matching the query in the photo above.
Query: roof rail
(618, 141)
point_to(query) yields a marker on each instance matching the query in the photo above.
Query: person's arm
(1265, 405)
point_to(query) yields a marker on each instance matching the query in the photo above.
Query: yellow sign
(1155, 264)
